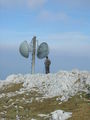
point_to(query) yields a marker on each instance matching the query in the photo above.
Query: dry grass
(11, 88)
(26, 109)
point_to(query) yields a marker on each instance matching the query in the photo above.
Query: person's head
(46, 57)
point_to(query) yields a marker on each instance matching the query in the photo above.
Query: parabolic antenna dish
(24, 49)
(42, 50)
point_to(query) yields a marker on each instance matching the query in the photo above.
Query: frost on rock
(63, 83)
(60, 115)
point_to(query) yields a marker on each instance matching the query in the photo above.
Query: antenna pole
(33, 55)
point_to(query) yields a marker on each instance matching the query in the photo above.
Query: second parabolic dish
(43, 50)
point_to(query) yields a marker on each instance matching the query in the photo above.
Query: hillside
(60, 96)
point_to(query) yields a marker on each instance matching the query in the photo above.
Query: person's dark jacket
(47, 63)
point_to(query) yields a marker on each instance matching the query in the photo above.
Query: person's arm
(50, 62)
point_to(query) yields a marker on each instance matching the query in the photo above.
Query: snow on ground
(60, 115)
(63, 83)
(57, 115)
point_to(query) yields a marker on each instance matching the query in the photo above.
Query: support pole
(33, 55)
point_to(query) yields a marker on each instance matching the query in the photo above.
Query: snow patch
(60, 115)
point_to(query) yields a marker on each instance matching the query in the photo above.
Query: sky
(63, 24)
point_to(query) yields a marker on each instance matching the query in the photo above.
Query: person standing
(47, 65)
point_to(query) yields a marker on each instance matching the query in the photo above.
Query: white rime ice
(64, 84)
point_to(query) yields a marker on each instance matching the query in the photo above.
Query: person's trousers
(47, 70)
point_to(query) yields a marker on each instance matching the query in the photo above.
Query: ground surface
(32, 99)
(28, 105)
